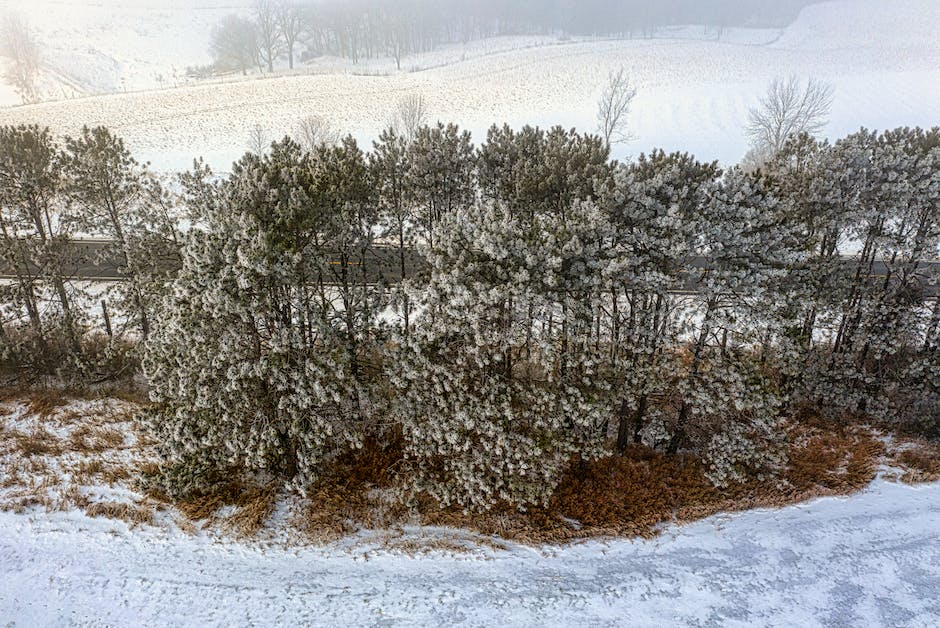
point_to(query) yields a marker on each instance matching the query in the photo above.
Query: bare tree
(270, 37)
(614, 106)
(788, 108)
(410, 115)
(291, 24)
(233, 44)
(19, 46)
(314, 131)
(258, 141)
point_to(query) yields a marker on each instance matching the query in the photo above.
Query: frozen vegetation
(382, 372)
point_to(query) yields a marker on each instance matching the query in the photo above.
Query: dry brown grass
(253, 505)
(629, 495)
(634, 494)
(134, 514)
(37, 442)
(355, 491)
(42, 469)
(918, 459)
(44, 403)
(87, 439)
(86, 471)
(828, 458)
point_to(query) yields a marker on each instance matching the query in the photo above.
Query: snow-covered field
(883, 56)
(869, 560)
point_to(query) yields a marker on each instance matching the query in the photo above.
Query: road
(90, 263)
(872, 559)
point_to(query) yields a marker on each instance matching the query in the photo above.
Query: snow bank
(872, 559)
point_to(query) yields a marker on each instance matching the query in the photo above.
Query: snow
(883, 57)
(870, 559)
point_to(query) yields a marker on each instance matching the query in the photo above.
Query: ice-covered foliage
(550, 300)
(261, 357)
(116, 198)
(498, 386)
(865, 326)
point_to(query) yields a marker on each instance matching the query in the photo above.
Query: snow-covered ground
(868, 560)
(883, 57)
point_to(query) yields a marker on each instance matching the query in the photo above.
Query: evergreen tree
(114, 197)
(497, 389)
(35, 222)
(257, 364)
(441, 175)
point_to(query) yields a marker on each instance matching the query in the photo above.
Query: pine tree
(255, 362)
(497, 386)
(441, 162)
(114, 197)
(35, 223)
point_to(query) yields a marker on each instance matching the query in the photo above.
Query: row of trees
(50, 193)
(551, 320)
(554, 319)
(288, 29)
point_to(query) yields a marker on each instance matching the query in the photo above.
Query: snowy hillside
(116, 46)
(883, 57)
(868, 560)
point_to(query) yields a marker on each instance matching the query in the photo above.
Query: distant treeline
(361, 29)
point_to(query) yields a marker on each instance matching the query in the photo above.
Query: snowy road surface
(869, 560)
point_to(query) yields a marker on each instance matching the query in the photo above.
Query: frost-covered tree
(258, 139)
(653, 207)
(729, 410)
(116, 198)
(411, 114)
(290, 23)
(788, 109)
(315, 130)
(35, 222)
(685, 370)
(441, 174)
(389, 165)
(269, 32)
(495, 390)
(263, 355)
(532, 170)
(891, 184)
(19, 46)
(613, 108)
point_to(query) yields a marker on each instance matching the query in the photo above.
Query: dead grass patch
(116, 473)
(636, 493)
(828, 458)
(257, 505)
(44, 403)
(37, 442)
(253, 505)
(919, 461)
(133, 514)
(355, 491)
(88, 439)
